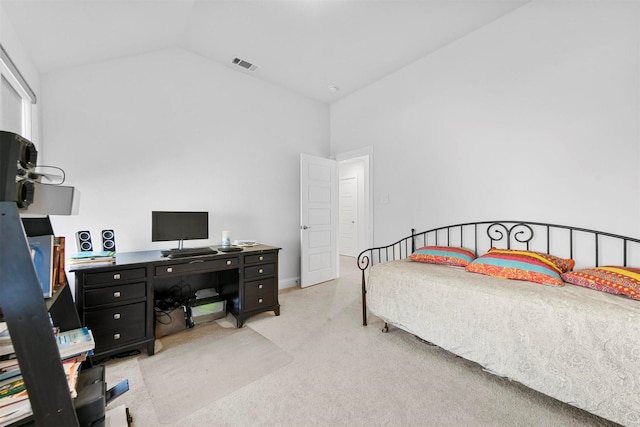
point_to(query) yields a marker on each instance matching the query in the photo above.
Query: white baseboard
(289, 283)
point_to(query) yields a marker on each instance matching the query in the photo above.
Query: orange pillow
(445, 255)
(521, 265)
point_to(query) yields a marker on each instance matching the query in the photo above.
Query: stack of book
(92, 258)
(47, 253)
(74, 346)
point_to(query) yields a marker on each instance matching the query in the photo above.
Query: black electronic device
(230, 249)
(17, 164)
(187, 252)
(108, 240)
(83, 241)
(37, 226)
(117, 390)
(188, 317)
(180, 226)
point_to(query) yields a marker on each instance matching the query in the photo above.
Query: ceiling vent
(244, 64)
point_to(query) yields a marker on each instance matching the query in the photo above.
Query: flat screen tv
(180, 226)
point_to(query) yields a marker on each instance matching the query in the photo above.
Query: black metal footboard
(589, 248)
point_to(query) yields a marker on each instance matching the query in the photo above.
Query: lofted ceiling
(304, 45)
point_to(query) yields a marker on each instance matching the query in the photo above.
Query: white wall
(170, 130)
(533, 117)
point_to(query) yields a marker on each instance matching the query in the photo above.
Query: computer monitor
(180, 226)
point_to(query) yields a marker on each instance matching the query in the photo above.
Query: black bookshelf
(27, 317)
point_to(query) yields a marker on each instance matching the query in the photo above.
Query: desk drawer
(118, 325)
(195, 265)
(258, 258)
(114, 275)
(106, 340)
(260, 287)
(114, 294)
(259, 293)
(115, 317)
(259, 271)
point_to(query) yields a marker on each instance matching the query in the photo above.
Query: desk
(116, 301)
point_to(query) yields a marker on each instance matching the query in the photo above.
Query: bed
(574, 340)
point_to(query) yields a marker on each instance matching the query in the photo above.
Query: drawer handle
(259, 300)
(169, 269)
(261, 271)
(260, 286)
(116, 276)
(229, 262)
(261, 258)
(116, 316)
(116, 294)
(116, 336)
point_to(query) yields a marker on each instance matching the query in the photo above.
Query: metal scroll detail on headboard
(560, 240)
(520, 232)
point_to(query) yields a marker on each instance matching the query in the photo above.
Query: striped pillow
(520, 265)
(614, 280)
(445, 255)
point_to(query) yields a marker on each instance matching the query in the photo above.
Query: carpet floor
(205, 366)
(329, 371)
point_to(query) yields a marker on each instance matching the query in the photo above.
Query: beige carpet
(204, 364)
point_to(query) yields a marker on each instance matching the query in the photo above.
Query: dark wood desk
(117, 301)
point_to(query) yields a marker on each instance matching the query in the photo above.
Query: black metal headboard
(589, 248)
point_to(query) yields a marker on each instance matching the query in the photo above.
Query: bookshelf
(27, 315)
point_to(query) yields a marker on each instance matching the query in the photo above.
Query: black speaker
(108, 240)
(83, 240)
(17, 162)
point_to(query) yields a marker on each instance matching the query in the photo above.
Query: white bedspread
(577, 345)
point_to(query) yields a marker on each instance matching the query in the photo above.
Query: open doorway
(354, 194)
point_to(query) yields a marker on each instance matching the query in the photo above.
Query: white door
(318, 220)
(348, 216)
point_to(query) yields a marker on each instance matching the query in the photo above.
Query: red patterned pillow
(612, 279)
(564, 264)
(520, 265)
(443, 255)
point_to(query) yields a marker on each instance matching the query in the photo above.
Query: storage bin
(208, 312)
(169, 321)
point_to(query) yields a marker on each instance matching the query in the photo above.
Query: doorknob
(304, 227)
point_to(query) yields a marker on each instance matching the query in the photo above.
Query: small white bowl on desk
(244, 243)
